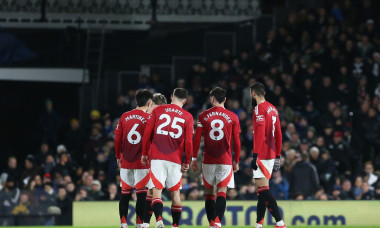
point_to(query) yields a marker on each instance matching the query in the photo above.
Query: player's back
(266, 114)
(131, 126)
(170, 126)
(218, 125)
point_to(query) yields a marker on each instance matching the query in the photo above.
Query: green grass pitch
(189, 226)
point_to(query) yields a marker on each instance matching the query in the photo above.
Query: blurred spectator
(64, 202)
(11, 171)
(75, 139)
(96, 193)
(42, 153)
(303, 177)
(50, 123)
(279, 186)
(233, 194)
(368, 169)
(112, 194)
(367, 194)
(29, 171)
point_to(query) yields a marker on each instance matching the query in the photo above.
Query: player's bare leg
(140, 206)
(176, 207)
(148, 208)
(123, 206)
(220, 206)
(210, 206)
(157, 207)
(266, 199)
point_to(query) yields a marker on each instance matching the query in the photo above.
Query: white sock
(145, 225)
(258, 225)
(280, 223)
(124, 225)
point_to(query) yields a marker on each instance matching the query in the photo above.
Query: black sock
(140, 205)
(261, 208)
(176, 214)
(148, 209)
(124, 204)
(271, 204)
(157, 208)
(210, 207)
(220, 206)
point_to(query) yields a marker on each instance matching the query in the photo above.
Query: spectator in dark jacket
(279, 186)
(50, 123)
(11, 171)
(303, 177)
(65, 203)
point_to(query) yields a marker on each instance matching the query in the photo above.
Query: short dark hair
(159, 99)
(219, 94)
(180, 93)
(259, 88)
(142, 97)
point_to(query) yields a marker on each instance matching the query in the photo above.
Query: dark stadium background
(23, 102)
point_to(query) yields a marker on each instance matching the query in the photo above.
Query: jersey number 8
(215, 129)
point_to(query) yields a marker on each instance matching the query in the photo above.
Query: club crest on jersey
(259, 118)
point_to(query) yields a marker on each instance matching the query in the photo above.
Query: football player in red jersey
(168, 133)
(266, 152)
(128, 148)
(158, 99)
(220, 128)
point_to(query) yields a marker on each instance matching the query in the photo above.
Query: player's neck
(219, 105)
(180, 104)
(260, 100)
(142, 108)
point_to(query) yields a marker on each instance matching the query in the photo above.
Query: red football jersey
(168, 134)
(128, 138)
(267, 139)
(219, 126)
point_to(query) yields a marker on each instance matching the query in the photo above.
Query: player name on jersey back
(222, 114)
(135, 117)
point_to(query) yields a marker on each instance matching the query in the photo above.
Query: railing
(125, 15)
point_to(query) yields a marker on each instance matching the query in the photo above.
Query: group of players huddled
(150, 142)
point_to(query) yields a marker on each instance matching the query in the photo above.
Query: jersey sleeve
(278, 137)
(236, 139)
(259, 138)
(189, 131)
(148, 132)
(118, 138)
(197, 138)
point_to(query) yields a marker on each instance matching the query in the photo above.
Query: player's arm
(118, 140)
(259, 137)
(146, 141)
(237, 144)
(278, 137)
(196, 145)
(189, 139)
(197, 139)
(236, 140)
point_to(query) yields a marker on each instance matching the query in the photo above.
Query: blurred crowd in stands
(322, 72)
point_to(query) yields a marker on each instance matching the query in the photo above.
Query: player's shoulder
(127, 113)
(187, 114)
